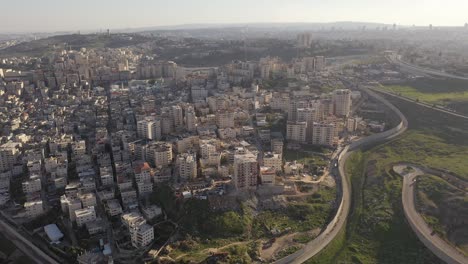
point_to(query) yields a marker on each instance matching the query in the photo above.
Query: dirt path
(216, 250)
(280, 243)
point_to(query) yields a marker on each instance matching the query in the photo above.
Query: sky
(68, 15)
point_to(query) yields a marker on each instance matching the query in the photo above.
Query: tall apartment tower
(9, 152)
(342, 102)
(149, 129)
(246, 171)
(190, 120)
(177, 116)
(187, 164)
(304, 40)
(308, 115)
(323, 134)
(296, 131)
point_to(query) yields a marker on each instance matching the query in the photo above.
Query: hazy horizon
(87, 15)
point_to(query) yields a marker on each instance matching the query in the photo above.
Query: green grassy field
(376, 231)
(305, 158)
(449, 93)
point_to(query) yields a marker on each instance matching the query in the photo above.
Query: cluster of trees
(199, 219)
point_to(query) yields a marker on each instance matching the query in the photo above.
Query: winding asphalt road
(336, 225)
(437, 245)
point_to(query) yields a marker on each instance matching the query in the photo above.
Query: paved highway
(438, 246)
(423, 71)
(26, 246)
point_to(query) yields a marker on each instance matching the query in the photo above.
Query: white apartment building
(277, 146)
(352, 124)
(32, 185)
(144, 187)
(206, 149)
(308, 115)
(113, 207)
(177, 116)
(69, 205)
(323, 134)
(245, 171)
(107, 179)
(267, 175)
(273, 161)
(296, 131)
(342, 102)
(225, 119)
(149, 129)
(159, 154)
(294, 105)
(79, 148)
(187, 166)
(88, 199)
(132, 219)
(142, 235)
(85, 215)
(190, 120)
(34, 208)
(142, 172)
(9, 153)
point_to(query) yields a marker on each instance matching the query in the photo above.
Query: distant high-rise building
(319, 63)
(304, 40)
(177, 116)
(342, 102)
(190, 119)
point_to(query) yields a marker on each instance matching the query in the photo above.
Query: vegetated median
(376, 231)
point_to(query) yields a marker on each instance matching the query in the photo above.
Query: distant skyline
(88, 15)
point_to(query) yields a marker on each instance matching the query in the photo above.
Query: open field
(376, 231)
(305, 158)
(449, 93)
